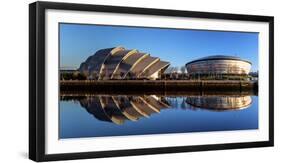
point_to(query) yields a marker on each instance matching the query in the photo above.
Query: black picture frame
(37, 80)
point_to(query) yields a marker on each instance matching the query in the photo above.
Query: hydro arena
(218, 65)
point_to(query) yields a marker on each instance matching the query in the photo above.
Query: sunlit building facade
(120, 63)
(219, 64)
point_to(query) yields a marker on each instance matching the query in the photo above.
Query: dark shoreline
(158, 86)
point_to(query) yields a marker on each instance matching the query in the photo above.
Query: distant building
(219, 65)
(68, 70)
(119, 63)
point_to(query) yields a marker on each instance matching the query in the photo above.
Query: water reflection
(118, 109)
(220, 103)
(121, 108)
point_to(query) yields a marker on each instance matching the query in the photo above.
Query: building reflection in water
(120, 108)
(220, 103)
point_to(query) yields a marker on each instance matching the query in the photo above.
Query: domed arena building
(219, 65)
(120, 63)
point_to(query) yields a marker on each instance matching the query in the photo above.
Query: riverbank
(157, 85)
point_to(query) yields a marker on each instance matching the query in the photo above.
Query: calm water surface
(120, 115)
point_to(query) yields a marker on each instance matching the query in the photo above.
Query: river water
(122, 115)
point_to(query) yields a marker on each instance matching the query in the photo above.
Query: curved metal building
(119, 63)
(219, 64)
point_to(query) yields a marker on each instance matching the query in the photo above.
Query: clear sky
(178, 46)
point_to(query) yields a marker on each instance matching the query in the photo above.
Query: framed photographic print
(117, 81)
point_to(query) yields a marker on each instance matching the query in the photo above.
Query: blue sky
(178, 46)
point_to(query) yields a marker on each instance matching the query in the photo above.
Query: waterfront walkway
(181, 85)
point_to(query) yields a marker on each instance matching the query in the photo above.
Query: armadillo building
(120, 63)
(219, 64)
